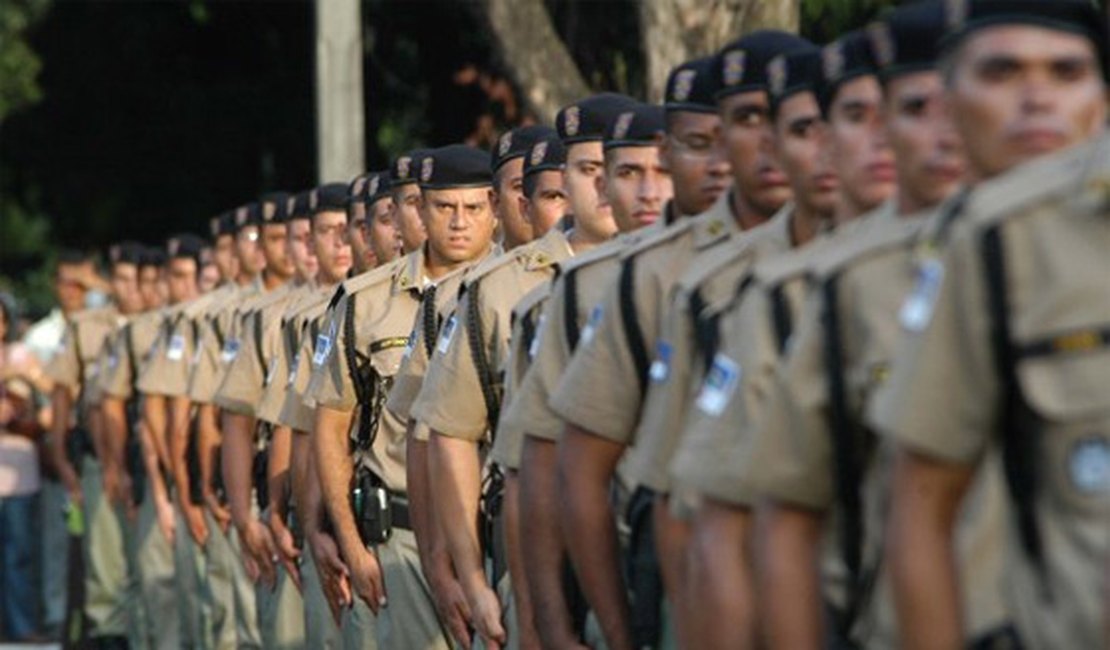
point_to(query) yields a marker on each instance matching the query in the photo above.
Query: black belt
(1004, 637)
(399, 507)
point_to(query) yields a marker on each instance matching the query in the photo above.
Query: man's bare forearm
(178, 447)
(158, 488)
(115, 429)
(334, 470)
(718, 572)
(526, 619)
(155, 409)
(278, 470)
(238, 452)
(455, 478)
(586, 463)
(420, 506)
(209, 439)
(542, 542)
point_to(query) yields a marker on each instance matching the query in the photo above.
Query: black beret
(741, 66)
(185, 245)
(692, 87)
(153, 256)
(545, 155)
(247, 215)
(125, 252)
(377, 187)
(406, 167)
(222, 224)
(455, 166)
(516, 142)
(272, 206)
(845, 59)
(639, 126)
(907, 39)
(297, 206)
(964, 17)
(790, 74)
(586, 119)
(328, 197)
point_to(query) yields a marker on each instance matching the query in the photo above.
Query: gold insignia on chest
(715, 227)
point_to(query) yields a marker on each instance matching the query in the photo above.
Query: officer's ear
(525, 208)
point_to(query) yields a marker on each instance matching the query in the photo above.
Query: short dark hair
(71, 257)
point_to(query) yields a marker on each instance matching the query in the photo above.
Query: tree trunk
(535, 56)
(673, 31)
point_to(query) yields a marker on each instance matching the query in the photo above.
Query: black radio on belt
(371, 505)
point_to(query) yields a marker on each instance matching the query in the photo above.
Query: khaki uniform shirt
(573, 313)
(76, 363)
(260, 344)
(944, 395)
(130, 350)
(219, 341)
(528, 317)
(290, 327)
(451, 398)
(603, 387)
(372, 324)
(169, 367)
(713, 282)
(305, 331)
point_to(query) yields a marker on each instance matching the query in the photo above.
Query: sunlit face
(226, 259)
(381, 231)
(799, 139)
(1016, 92)
(506, 202)
(406, 204)
(125, 288)
(693, 153)
(364, 257)
(747, 139)
(182, 279)
(248, 252)
(459, 223)
(274, 251)
(927, 150)
(585, 164)
(330, 244)
(301, 250)
(858, 146)
(547, 202)
(636, 186)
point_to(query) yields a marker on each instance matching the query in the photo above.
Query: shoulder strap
(476, 338)
(430, 320)
(132, 362)
(258, 341)
(570, 312)
(1017, 420)
(782, 318)
(847, 453)
(636, 344)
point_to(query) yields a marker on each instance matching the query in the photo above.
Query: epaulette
(659, 237)
(336, 297)
(532, 299)
(776, 269)
(1061, 176)
(375, 276)
(493, 263)
(95, 315)
(711, 262)
(878, 232)
(611, 248)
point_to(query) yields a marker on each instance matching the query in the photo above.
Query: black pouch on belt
(371, 505)
(642, 573)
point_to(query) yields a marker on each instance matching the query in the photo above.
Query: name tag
(448, 334)
(323, 350)
(534, 346)
(409, 345)
(175, 351)
(271, 371)
(918, 308)
(230, 351)
(590, 329)
(661, 366)
(293, 371)
(113, 361)
(719, 385)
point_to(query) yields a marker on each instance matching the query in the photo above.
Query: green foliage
(19, 67)
(824, 20)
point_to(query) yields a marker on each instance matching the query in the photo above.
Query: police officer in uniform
(1004, 344)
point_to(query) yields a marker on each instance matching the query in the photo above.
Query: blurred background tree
(142, 119)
